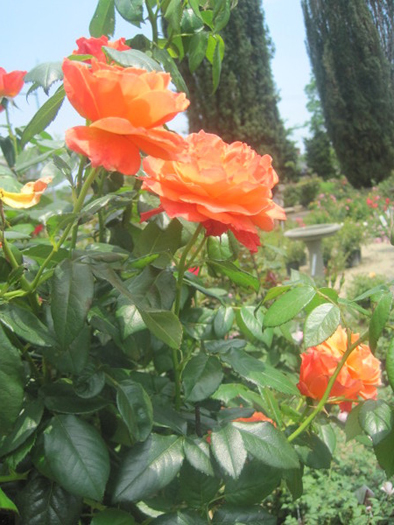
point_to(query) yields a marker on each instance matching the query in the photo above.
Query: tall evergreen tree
(319, 153)
(245, 106)
(383, 16)
(353, 79)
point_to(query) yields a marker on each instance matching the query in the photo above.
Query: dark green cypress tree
(353, 79)
(319, 153)
(245, 106)
(383, 17)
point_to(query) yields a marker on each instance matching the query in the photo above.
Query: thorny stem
(181, 272)
(77, 208)
(11, 133)
(330, 384)
(153, 21)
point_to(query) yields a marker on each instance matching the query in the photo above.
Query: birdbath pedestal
(312, 236)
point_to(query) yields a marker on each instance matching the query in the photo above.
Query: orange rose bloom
(94, 46)
(11, 83)
(359, 376)
(256, 417)
(29, 195)
(223, 186)
(127, 108)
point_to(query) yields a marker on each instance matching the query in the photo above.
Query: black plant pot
(354, 258)
(292, 266)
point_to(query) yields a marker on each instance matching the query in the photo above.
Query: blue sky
(38, 31)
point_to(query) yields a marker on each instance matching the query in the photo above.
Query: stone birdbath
(312, 236)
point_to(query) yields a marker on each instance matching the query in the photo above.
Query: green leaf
(289, 305)
(103, 21)
(328, 293)
(267, 444)
(25, 162)
(191, 23)
(250, 323)
(90, 382)
(223, 321)
(216, 67)
(221, 248)
(255, 483)
(376, 419)
(327, 434)
(43, 502)
(234, 515)
(132, 58)
(313, 452)
(164, 325)
(57, 223)
(275, 292)
(73, 359)
(6, 503)
(113, 517)
(293, 479)
(25, 324)
(170, 66)
(7, 148)
(198, 48)
(221, 14)
(379, 319)
(321, 323)
(197, 454)
(129, 319)
(196, 488)
(235, 274)
(147, 468)
(201, 377)
(194, 282)
(257, 372)
(167, 417)
(77, 456)
(155, 240)
(44, 116)
(72, 295)
(152, 288)
(352, 425)
(179, 518)
(384, 453)
(61, 397)
(390, 364)
(24, 427)
(130, 10)
(135, 407)
(12, 381)
(44, 75)
(40, 252)
(173, 13)
(229, 450)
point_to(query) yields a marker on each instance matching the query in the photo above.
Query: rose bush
(115, 361)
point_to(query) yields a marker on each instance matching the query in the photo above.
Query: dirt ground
(377, 258)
